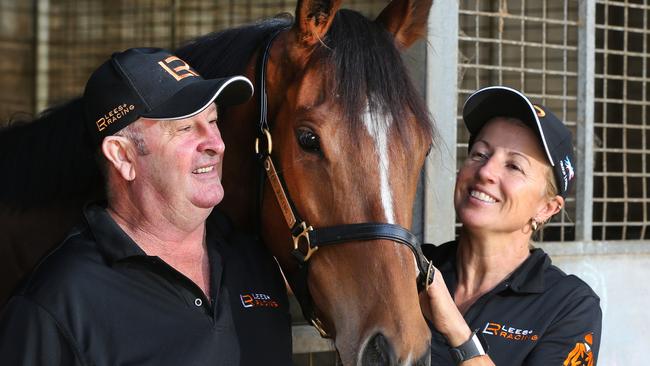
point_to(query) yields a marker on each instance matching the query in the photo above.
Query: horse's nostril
(425, 360)
(378, 352)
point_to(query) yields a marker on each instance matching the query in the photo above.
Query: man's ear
(118, 150)
(552, 206)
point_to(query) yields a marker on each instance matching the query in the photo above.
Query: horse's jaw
(376, 323)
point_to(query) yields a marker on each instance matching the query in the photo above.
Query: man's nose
(211, 141)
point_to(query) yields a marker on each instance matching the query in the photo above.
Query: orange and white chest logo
(510, 333)
(581, 354)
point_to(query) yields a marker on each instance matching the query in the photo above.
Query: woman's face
(502, 183)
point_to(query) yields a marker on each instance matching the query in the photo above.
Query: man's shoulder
(66, 269)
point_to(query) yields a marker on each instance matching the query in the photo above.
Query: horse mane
(226, 53)
(48, 159)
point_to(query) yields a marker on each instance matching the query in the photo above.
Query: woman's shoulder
(556, 280)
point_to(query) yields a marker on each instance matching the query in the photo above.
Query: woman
(501, 301)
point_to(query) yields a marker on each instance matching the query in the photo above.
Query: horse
(334, 137)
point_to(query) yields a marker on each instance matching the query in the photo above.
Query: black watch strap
(475, 346)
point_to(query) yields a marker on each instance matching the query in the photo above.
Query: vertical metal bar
(441, 97)
(173, 24)
(41, 54)
(585, 120)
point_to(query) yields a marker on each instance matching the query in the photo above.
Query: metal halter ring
(269, 142)
(304, 234)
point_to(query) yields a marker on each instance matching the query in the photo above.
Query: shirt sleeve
(574, 339)
(30, 336)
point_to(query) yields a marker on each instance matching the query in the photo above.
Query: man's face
(184, 161)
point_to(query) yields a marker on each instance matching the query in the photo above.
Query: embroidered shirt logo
(181, 70)
(509, 333)
(581, 354)
(254, 300)
(114, 115)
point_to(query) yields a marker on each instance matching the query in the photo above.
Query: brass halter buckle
(304, 234)
(269, 143)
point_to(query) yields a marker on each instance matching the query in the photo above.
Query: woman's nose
(488, 171)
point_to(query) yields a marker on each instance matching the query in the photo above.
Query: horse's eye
(308, 140)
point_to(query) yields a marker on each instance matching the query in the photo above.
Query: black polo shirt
(99, 300)
(537, 316)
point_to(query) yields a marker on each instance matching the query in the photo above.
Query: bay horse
(347, 135)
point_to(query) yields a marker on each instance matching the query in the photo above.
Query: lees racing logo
(510, 333)
(180, 71)
(114, 115)
(254, 300)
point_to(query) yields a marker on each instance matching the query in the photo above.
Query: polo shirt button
(198, 302)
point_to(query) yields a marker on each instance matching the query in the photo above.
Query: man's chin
(209, 199)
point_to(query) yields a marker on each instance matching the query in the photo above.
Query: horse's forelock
(370, 75)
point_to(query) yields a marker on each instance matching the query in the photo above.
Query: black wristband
(475, 346)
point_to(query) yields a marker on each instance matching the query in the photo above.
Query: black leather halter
(314, 238)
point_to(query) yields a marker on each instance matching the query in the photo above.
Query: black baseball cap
(554, 137)
(155, 84)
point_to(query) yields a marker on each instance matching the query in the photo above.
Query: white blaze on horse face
(378, 127)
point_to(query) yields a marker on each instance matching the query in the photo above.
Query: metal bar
(442, 99)
(306, 339)
(601, 247)
(585, 120)
(41, 54)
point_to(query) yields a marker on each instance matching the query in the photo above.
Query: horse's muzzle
(380, 352)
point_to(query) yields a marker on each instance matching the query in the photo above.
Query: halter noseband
(315, 238)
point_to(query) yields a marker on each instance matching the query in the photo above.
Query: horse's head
(350, 135)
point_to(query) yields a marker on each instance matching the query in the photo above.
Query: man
(154, 276)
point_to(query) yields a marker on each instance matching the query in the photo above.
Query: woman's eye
(514, 167)
(308, 140)
(477, 155)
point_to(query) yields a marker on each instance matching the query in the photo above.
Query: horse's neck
(240, 169)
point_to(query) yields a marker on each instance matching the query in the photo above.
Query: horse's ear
(313, 20)
(406, 20)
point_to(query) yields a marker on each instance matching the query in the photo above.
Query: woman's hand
(439, 307)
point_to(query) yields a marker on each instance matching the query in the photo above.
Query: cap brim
(197, 96)
(501, 101)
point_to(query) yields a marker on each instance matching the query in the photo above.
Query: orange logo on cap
(113, 115)
(178, 72)
(581, 354)
(540, 111)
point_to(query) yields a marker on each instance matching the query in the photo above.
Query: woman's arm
(439, 307)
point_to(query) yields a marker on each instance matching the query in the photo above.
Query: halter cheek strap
(306, 239)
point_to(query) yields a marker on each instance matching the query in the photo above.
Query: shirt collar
(527, 278)
(111, 240)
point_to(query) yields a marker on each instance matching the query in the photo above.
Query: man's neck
(178, 238)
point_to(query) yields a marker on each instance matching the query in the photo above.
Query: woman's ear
(118, 150)
(552, 206)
